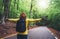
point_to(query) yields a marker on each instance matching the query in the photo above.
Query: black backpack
(21, 26)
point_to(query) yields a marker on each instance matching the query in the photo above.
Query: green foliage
(1, 6)
(50, 15)
(55, 21)
(53, 15)
(52, 20)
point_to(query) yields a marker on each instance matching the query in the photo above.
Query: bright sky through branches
(43, 3)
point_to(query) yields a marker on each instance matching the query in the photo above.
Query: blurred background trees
(48, 10)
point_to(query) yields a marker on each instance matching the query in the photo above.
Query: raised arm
(34, 20)
(30, 20)
(14, 20)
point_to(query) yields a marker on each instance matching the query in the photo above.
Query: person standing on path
(22, 26)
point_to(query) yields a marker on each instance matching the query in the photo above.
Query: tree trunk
(6, 10)
(17, 4)
(14, 2)
(31, 10)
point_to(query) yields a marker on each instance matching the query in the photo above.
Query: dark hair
(22, 17)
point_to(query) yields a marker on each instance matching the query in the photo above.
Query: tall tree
(31, 9)
(17, 4)
(14, 2)
(6, 10)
